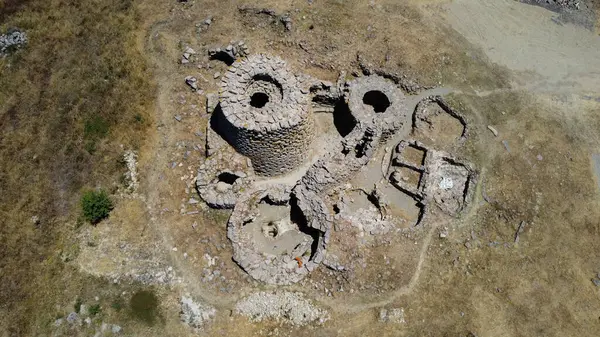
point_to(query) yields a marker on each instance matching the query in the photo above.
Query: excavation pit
(272, 243)
(436, 124)
(412, 155)
(406, 176)
(228, 178)
(342, 119)
(402, 206)
(449, 184)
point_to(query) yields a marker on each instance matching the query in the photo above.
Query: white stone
(194, 314)
(446, 183)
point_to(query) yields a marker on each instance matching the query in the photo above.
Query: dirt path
(165, 140)
(548, 56)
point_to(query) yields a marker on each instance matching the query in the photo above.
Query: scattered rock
(83, 310)
(229, 53)
(72, 318)
(494, 131)
(289, 307)
(116, 329)
(204, 25)
(131, 176)
(192, 82)
(395, 315)
(11, 41)
(217, 75)
(187, 54)
(194, 314)
(444, 233)
(211, 102)
(287, 22)
(177, 118)
(505, 143)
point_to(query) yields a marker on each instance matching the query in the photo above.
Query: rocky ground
(521, 261)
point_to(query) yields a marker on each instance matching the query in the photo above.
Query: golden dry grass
(68, 101)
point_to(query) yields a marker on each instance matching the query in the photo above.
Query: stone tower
(268, 116)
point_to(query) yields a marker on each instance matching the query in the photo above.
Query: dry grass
(67, 101)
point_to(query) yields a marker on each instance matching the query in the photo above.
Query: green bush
(96, 205)
(95, 309)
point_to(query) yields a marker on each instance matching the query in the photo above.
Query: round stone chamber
(268, 115)
(271, 239)
(374, 100)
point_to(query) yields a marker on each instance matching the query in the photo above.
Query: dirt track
(546, 55)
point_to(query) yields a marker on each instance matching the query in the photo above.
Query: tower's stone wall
(268, 114)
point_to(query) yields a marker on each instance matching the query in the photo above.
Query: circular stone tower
(269, 116)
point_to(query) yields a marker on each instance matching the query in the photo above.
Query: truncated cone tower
(268, 116)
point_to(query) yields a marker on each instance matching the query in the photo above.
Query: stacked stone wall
(275, 135)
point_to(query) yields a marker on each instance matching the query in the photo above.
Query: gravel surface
(288, 307)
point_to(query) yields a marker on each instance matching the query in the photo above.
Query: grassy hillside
(68, 100)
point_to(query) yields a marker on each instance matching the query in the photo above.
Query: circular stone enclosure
(221, 188)
(271, 123)
(374, 100)
(270, 240)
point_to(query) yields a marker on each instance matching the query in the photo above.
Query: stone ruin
(288, 176)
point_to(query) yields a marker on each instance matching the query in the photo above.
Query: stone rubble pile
(289, 307)
(194, 314)
(12, 40)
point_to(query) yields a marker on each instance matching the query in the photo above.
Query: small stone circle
(269, 114)
(221, 188)
(375, 100)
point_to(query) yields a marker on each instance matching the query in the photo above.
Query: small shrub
(96, 205)
(94, 309)
(79, 222)
(95, 127)
(77, 305)
(90, 146)
(139, 118)
(117, 304)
